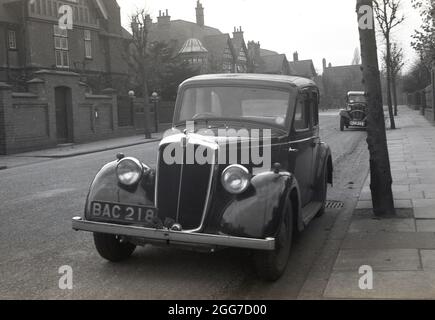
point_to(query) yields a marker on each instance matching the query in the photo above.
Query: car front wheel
(270, 265)
(111, 248)
(342, 124)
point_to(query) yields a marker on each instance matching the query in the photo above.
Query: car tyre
(111, 248)
(342, 124)
(271, 265)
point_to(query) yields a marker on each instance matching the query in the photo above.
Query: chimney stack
(324, 64)
(164, 18)
(199, 14)
(238, 32)
(295, 56)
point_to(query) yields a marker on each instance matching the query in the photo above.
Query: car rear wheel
(270, 265)
(342, 124)
(111, 248)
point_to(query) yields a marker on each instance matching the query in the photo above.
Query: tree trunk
(389, 98)
(380, 171)
(394, 87)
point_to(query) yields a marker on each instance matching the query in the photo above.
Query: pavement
(399, 252)
(73, 150)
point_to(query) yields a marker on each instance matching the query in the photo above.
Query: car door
(301, 150)
(314, 111)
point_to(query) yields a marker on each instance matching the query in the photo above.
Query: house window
(12, 40)
(61, 47)
(88, 44)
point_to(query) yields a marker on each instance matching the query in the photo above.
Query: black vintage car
(242, 167)
(355, 114)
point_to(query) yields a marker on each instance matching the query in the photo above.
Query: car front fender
(344, 113)
(259, 213)
(106, 188)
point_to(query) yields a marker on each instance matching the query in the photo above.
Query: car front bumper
(174, 237)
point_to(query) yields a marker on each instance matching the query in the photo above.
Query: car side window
(315, 109)
(301, 121)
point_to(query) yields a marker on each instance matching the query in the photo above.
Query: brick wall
(28, 120)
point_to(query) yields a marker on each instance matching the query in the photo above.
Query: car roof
(356, 93)
(296, 82)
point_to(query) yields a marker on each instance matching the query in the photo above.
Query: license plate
(357, 123)
(114, 212)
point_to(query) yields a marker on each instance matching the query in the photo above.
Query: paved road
(39, 200)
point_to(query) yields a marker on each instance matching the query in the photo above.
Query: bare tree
(380, 170)
(396, 65)
(388, 17)
(424, 39)
(139, 58)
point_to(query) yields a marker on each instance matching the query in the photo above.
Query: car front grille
(358, 112)
(183, 191)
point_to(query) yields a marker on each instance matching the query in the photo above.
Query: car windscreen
(269, 106)
(357, 99)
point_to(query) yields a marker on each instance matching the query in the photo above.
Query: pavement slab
(386, 285)
(386, 225)
(425, 225)
(390, 240)
(428, 259)
(424, 213)
(378, 259)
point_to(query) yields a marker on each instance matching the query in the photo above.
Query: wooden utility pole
(380, 171)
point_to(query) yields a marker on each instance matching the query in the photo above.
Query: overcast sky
(317, 29)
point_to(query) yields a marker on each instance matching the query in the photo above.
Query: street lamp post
(131, 95)
(155, 99)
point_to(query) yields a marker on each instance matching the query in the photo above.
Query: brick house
(303, 68)
(267, 61)
(34, 41)
(337, 81)
(205, 48)
(52, 79)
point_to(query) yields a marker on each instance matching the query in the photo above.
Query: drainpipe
(25, 5)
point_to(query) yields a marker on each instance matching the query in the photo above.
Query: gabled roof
(273, 63)
(265, 52)
(341, 71)
(216, 44)
(238, 44)
(102, 8)
(303, 68)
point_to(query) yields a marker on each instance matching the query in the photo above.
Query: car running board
(310, 211)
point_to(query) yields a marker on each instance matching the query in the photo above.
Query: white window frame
(88, 44)
(61, 47)
(12, 40)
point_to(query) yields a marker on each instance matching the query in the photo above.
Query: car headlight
(236, 179)
(129, 171)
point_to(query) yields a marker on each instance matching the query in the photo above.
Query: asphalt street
(37, 203)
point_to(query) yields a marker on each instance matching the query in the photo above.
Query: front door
(62, 101)
(301, 150)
